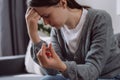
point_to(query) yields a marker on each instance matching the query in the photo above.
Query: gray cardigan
(97, 56)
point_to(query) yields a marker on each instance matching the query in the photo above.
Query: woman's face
(54, 16)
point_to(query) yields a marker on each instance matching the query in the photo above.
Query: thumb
(51, 48)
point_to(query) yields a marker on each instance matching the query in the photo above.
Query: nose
(46, 22)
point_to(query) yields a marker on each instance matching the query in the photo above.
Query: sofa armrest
(12, 65)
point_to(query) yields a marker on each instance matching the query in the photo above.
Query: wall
(109, 6)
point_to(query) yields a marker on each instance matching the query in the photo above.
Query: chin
(58, 27)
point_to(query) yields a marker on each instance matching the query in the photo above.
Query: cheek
(59, 21)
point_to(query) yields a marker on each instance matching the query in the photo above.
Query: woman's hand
(32, 18)
(49, 59)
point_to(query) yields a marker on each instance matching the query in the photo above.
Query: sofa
(12, 65)
(15, 67)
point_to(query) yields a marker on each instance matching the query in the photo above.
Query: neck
(73, 18)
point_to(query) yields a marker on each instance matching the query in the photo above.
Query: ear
(63, 3)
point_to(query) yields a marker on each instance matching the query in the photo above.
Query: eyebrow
(42, 15)
(38, 13)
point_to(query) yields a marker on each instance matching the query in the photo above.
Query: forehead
(43, 10)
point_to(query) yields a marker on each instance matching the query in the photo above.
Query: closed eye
(45, 16)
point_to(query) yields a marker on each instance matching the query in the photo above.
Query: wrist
(34, 37)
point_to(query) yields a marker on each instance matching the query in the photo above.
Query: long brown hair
(41, 3)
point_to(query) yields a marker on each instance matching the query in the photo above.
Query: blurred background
(13, 33)
(111, 6)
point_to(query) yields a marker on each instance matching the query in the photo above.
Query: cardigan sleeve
(99, 51)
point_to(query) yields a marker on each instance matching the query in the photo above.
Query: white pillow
(31, 66)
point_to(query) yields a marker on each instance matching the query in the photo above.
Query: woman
(82, 46)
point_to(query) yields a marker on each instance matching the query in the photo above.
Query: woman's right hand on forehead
(32, 18)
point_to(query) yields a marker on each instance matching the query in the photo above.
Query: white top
(72, 35)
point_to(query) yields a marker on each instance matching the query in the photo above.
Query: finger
(52, 50)
(43, 48)
(28, 9)
(39, 55)
(44, 51)
(44, 59)
(31, 12)
(41, 51)
(36, 16)
(36, 11)
(48, 53)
